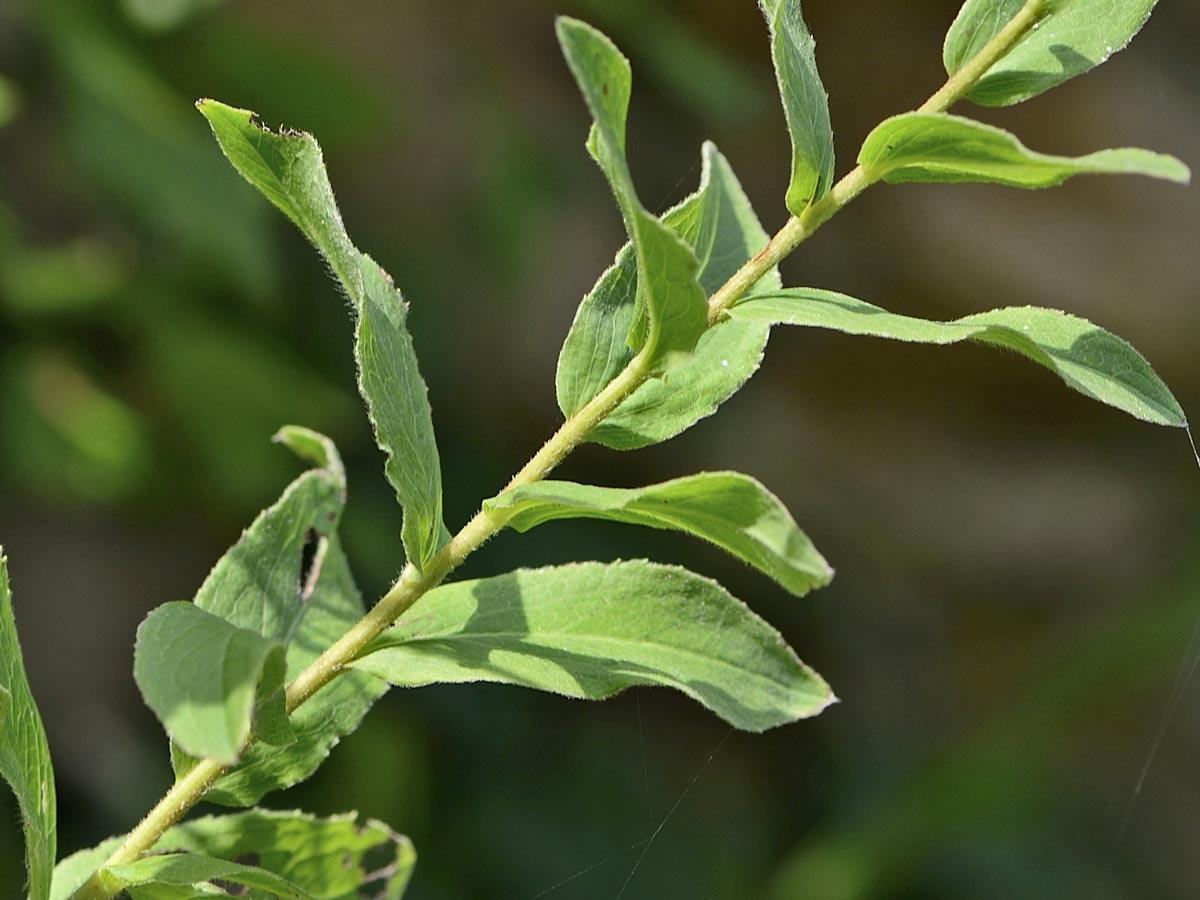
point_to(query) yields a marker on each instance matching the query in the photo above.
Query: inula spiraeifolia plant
(276, 658)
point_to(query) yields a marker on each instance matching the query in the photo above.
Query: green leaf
(934, 147)
(24, 754)
(192, 871)
(733, 511)
(670, 311)
(288, 169)
(334, 711)
(1077, 36)
(210, 682)
(718, 222)
(1089, 359)
(805, 103)
(590, 630)
(337, 858)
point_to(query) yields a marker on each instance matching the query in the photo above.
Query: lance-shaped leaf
(288, 169)
(590, 630)
(1075, 37)
(718, 222)
(209, 682)
(196, 873)
(670, 311)
(1089, 359)
(731, 510)
(336, 710)
(934, 147)
(24, 754)
(805, 103)
(337, 858)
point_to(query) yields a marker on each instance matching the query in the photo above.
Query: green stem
(412, 584)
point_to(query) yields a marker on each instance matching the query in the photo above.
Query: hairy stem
(414, 583)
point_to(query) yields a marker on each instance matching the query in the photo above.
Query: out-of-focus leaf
(210, 682)
(805, 103)
(670, 310)
(733, 511)
(288, 169)
(718, 222)
(934, 147)
(24, 754)
(1075, 37)
(590, 630)
(10, 100)
(1089, 359)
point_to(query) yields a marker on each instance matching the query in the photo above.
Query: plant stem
(414, 583)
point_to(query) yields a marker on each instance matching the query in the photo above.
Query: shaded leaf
(670, 311)
(805, 103)
(190, 870)
(590, 630)
(288, 169)
(933, 147)
(209, 682)
(1089, 359)
(1077, 36)
(24, 754)
(718, 222)
(731, 510)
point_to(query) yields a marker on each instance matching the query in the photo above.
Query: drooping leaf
(1075, 37)
(1089, 359)
(590, 630)
(24, 754)
(805, 103)
(933, 147)
(337, 858)
(209, 682)
(333, 712)
(733, 511)
(190, 870)
(718, 222)
(671, 311)
(288, 169)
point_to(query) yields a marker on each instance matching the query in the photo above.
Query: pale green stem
(414, 583)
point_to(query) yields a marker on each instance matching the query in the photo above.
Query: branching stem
(413, 583)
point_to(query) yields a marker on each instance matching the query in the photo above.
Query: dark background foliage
(1017, 577)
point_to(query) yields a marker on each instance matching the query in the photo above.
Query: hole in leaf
(312, 553)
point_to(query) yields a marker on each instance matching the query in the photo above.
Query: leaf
(670, 311)
(192, 871)
(733, 511)
(1089, 359)
(334, 711)
(24, 754)
(209, 682)
(1077, 36)
(933, 147)
(336, 858)
(288, 169)
(805, 103)
(718, 222)
(590, 630)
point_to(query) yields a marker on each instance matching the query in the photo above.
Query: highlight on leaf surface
(729, 509)
(1075, 37)
(935, 147)
(1089, 359)
(591, 630)
(24, 754)
(288, 169)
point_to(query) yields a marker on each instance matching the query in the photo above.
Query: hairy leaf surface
(933, 147)
(288, 169)
(1089, 359)
(718, 222)
(24, 754)
(731, 510)
(1077, 36)
(670, 312)
(805, 103)
(590, 630)
(209, 682)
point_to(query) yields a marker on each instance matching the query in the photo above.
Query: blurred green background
(1018, 573)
